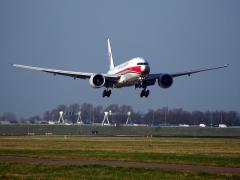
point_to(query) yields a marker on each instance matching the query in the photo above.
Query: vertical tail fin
(110, 55)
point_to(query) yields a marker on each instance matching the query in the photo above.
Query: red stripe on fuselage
(134, 69)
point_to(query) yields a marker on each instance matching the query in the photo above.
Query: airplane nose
(145, 69)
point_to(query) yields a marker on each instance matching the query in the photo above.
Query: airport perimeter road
(176, 167)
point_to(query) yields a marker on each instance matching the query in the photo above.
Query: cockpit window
(142, 63)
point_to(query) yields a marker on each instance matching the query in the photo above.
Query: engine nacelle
(97, 80)
(165, 81)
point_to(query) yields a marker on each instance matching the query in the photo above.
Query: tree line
(161, 116)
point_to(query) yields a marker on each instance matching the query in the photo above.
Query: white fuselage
(130, 71)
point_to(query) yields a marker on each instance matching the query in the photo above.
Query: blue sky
(171, 35)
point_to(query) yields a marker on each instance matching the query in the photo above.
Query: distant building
(183, 125)
(51, 122)
(202, 125)
(222, 125)
(5, 122)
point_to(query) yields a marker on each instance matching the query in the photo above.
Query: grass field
(30, 171)
(195, 151)
(25, 129)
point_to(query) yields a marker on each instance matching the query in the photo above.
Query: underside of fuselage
(129, 79)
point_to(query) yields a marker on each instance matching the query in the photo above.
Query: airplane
(135, 72)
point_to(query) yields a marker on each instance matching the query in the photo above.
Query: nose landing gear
(106, 93)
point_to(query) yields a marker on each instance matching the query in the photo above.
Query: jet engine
(165, 81)
(97, 80)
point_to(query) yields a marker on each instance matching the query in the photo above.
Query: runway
(81, 162)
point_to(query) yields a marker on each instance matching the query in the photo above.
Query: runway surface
(176, 167)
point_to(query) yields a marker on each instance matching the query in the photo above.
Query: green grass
(24, 129)
(194, 159)
(31, 171)
(196, 151)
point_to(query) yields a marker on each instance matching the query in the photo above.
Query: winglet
(110, 55)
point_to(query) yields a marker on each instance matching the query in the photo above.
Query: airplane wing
(74, 74)
(196, 71)
(154, 76)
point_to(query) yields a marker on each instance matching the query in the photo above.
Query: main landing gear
(106, 93)
(144, 93)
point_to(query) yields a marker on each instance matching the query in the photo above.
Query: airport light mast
(61, 119)
(105, 118)
(128, 118)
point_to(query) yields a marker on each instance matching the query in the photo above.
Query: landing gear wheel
(109, 93)
(147, 93)
(106, 93)
(144, 93)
